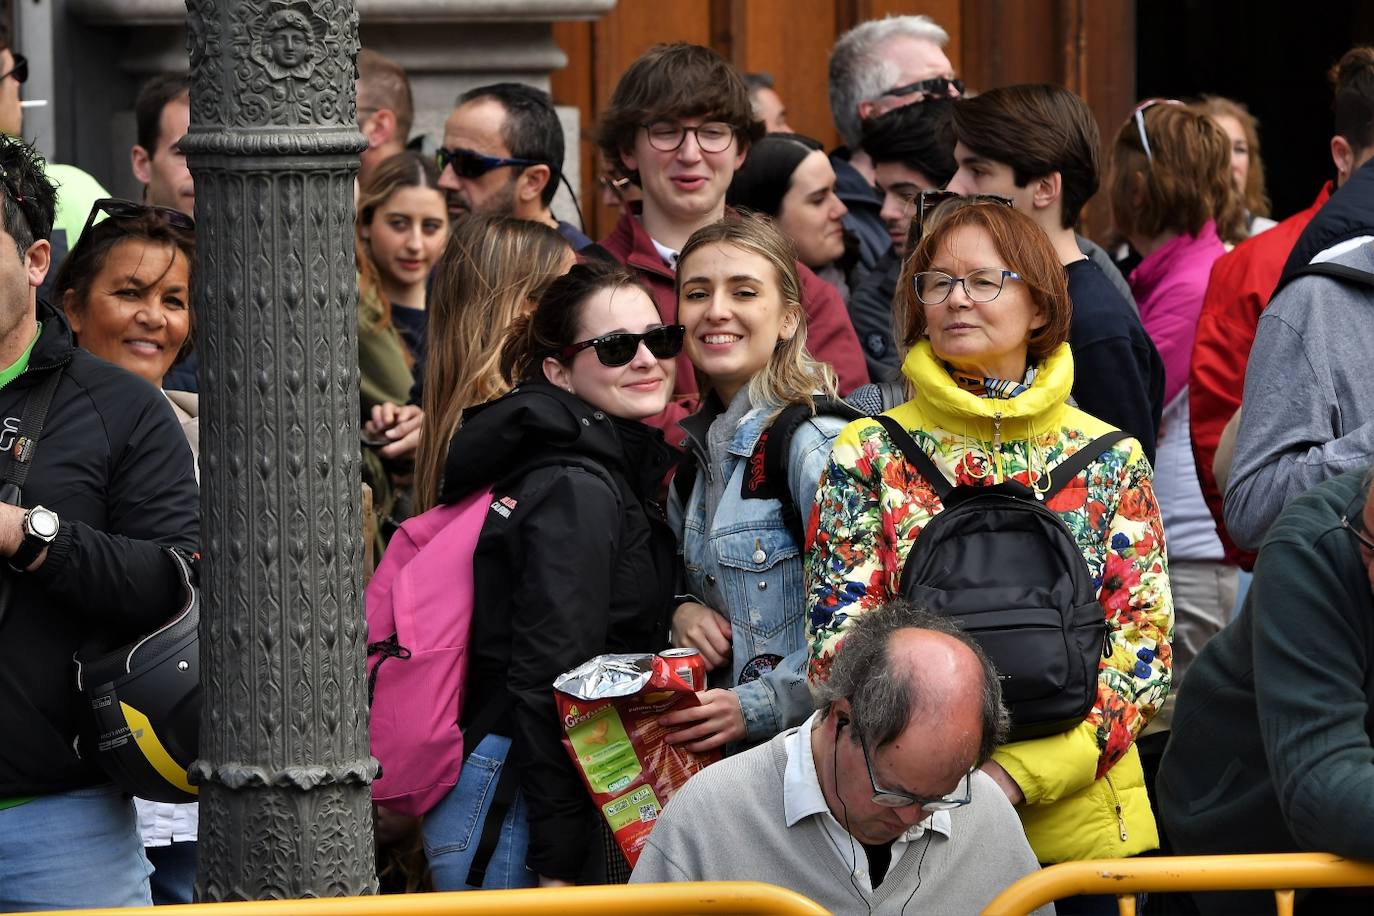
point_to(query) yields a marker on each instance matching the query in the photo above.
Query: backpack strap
(916, 456)
(766, 476)
(1335, 271)
(26, 443)
(1066, 470)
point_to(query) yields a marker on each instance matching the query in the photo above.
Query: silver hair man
(875, 57)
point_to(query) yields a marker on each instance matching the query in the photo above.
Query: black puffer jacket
(567, 567)
(113, 464)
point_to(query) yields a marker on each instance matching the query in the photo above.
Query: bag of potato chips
(610, 708)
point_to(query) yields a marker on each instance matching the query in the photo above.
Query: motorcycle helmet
(144, 705)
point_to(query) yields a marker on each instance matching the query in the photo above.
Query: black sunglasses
(618, 349)
(115, 208)
(468, 164)
(928, 200)
(937, 87)
(20, 70)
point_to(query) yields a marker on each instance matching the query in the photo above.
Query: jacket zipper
(1116, 802)
(997, 444)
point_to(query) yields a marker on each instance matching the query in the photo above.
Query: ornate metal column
(285, 768)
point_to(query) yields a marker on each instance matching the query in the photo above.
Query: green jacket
(1271, 747)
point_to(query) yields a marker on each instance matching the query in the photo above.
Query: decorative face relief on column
(291, 63)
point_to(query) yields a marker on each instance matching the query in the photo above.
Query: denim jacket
(748, 567)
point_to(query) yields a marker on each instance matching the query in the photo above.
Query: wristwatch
(40, 527)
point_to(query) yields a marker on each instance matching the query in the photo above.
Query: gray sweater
(1308, 412)
(727, 824)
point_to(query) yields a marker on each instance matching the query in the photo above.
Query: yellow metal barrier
(1282, 873)
(746, 898)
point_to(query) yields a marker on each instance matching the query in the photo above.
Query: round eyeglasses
(981, 285)
(712, 137)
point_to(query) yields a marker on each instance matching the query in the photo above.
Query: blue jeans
(453, 828)
(174, 875)
(72, 850)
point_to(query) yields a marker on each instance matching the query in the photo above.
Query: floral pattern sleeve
(1133, 588)
(853, 561)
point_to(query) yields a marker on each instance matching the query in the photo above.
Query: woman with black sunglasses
(574, 560)
(743, 601)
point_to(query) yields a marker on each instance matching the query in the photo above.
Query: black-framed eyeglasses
(115, 208)
(981, 285)
(937, 87)
(471, 164)
(20, 70)
(618, 349)
(1349, 526)
(668, 136)
(890, 799)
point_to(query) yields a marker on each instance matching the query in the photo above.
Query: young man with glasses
(1039, 145)
(875, 803)
(680, 123)
(503, 154)
(1272, 748)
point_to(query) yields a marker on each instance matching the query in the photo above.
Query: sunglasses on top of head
(937, 87)
(619, 348)
(114, 208)
(20, 70)
(469, 164)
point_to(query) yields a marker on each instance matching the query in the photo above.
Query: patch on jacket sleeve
(503, 506)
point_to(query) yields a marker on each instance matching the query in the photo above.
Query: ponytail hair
(556, 320)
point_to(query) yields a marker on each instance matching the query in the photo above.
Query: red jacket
(1239, 289)
(829, 335)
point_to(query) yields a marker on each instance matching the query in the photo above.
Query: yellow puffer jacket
(1085, 790)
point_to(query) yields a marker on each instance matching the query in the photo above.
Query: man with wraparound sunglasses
(1273, 746)
(84, 558)
(876, 67)
(875, 803)
(1039, 146)
(503, 154)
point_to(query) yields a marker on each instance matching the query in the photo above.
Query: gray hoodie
(1309, 397)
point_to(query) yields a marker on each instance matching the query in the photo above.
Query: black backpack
(1007, 570)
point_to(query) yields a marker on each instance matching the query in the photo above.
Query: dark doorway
(1272, 55)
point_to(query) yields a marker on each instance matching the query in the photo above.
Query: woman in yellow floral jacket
(987, 316)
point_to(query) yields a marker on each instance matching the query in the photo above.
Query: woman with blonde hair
(493, 270)
(756, 449)
(1247, 168)
(987, 313)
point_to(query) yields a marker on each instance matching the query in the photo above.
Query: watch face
(43, 523)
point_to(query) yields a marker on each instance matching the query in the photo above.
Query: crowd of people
(947, 497)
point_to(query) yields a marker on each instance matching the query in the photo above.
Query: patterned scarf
(1004, 389)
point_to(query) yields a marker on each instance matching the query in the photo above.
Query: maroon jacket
(829, 335)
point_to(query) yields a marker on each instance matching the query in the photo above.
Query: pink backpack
(419, 613)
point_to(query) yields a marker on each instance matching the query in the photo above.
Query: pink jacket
(1169, 286)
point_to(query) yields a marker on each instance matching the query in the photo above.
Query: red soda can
(688, 665)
